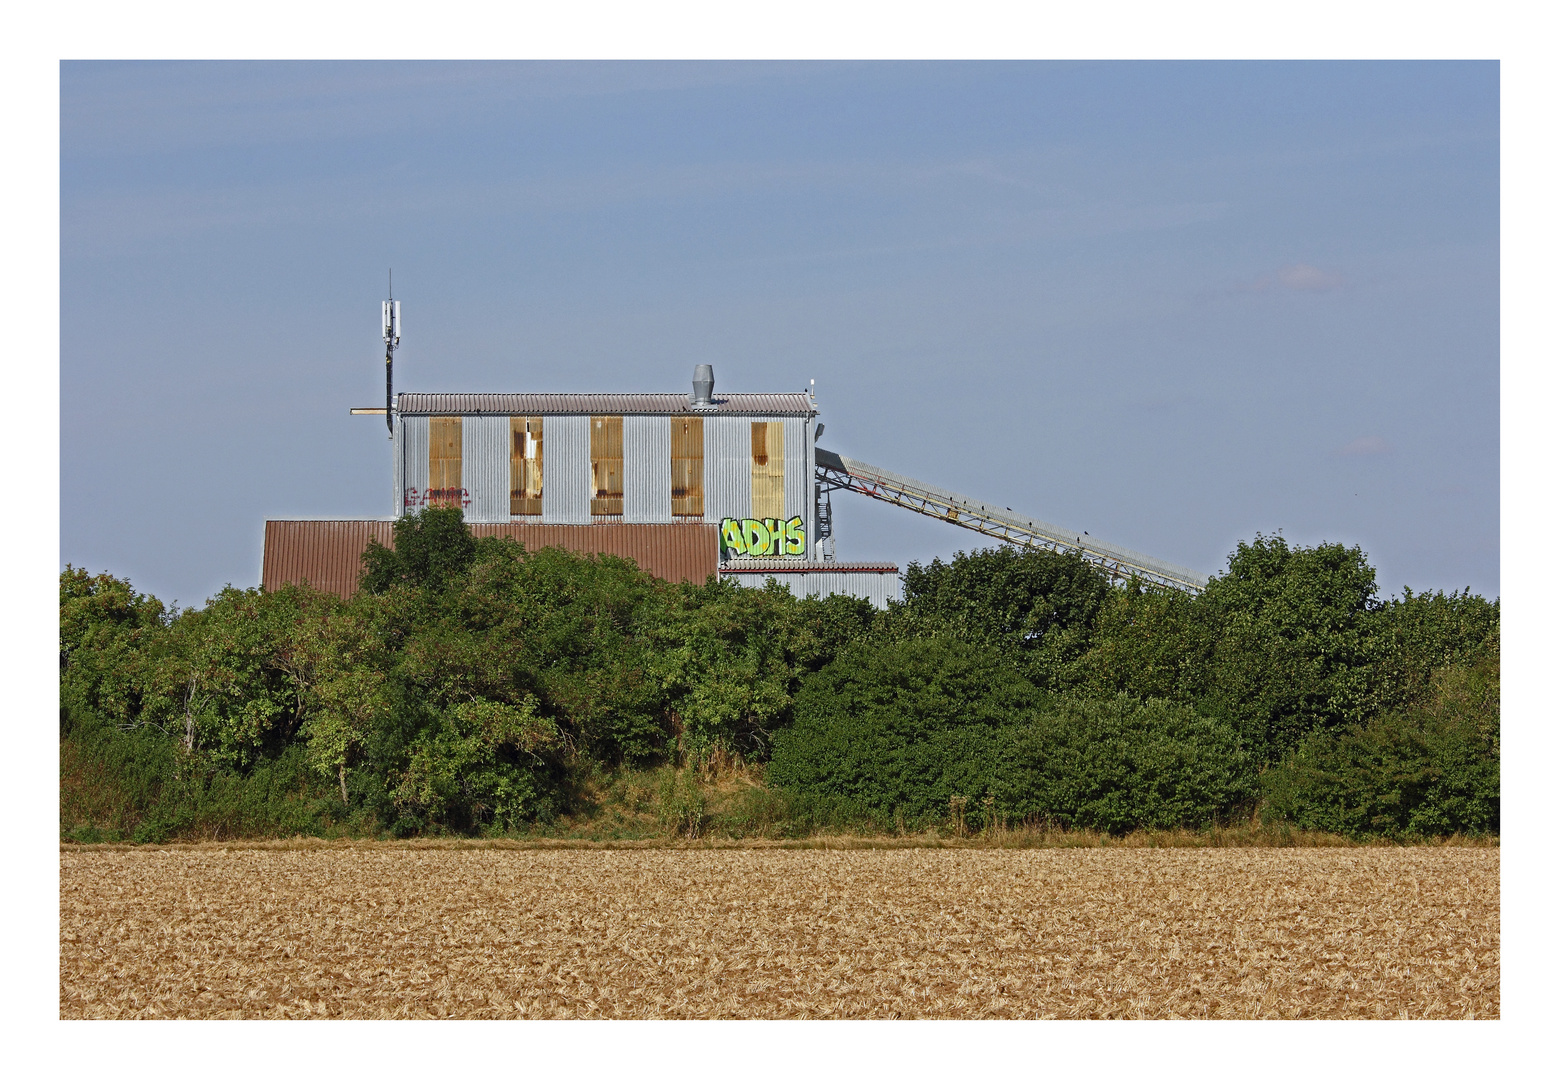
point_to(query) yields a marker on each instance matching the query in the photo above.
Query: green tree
(1290, 651)
(1430, 770)
(1148, 642)
(900, 727)
(106, 631)
(431, 550)
(1416, 635)
(225, 676)
(1038, 606)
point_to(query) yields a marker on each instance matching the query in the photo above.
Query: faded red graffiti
(415, 499)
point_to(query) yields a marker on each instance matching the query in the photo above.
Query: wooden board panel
(525, 466)
(688, 466)
(768, 469)
(606, 465)
(444, 484)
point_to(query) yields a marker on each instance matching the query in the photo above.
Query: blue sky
(1174, 304)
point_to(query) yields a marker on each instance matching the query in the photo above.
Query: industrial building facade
(743, 462)
(687, 485)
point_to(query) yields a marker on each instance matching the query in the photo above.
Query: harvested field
(377, 931)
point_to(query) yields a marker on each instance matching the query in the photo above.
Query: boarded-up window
(525, 465)
(606, 464)
(688, 465)
(444, 487)
(769, 469)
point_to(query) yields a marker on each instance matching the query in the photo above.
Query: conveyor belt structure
(838, 473)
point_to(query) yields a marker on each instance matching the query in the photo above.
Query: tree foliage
(471, 685)
(1429, 770)
(907, 729)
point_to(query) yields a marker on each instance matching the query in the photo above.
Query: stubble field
(366, 930)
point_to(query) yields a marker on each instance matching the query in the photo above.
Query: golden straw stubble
(366, 931)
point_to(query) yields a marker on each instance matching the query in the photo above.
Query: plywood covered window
(444, 486)
(525, 465)
(768, 469)
(688, 465)
(606, 464)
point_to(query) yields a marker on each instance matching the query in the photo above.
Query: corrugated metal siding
(647, 468)
(810, 513)
(728, 467)
(328, 554)
(796, 566)
(672, 552)
(414, 458)
(798, 478)
(775, 405)
(876, 586)
(397, 468)
(566, 470)
(485, 467)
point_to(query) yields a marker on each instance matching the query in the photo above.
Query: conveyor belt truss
(837, 473)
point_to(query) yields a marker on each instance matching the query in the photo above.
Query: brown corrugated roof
(607, 404)
(329, 554)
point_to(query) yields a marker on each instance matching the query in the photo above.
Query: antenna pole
(392, 323)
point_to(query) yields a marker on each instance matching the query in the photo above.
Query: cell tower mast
(392, 330)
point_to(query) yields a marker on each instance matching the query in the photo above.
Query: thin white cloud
(1297, 277)
(1365, 446)
(1304, 277)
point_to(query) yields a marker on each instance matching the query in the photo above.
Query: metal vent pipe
(703, 384)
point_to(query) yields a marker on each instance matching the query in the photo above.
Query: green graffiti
(759, 539)
(731, 541)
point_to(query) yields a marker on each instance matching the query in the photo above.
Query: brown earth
(368, 930)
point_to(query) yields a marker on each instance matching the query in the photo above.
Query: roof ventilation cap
(703, 386)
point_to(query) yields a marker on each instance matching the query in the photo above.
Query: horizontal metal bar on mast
(836, 472)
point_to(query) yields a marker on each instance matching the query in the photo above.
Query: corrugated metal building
(684, 484)
(575, 459)
(329, 554)
(878, 582)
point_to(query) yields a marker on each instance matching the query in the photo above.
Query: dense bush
(897, 729)
(904, 730)
(141, 785)
(1037, 607)
(1426, 771)
(1124, 763)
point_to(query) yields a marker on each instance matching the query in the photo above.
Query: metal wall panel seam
(415, 458)
(566, 470)
(484, 466)
(647, 469)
